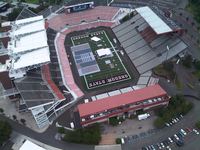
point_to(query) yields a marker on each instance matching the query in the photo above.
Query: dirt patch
(107, 139)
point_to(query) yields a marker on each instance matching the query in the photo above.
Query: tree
(13, 15)
(61, 130)
(197, 65)
(88, 135)
(1, 110)
(14, 117)
(23, 121)
(159, 123)
(198, 124)
(113, 121)
(118, 141)
(168, 65)
(187, 61)
(5, 131)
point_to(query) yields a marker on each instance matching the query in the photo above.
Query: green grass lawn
(115, 68)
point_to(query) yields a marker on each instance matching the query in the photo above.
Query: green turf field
(112, 69)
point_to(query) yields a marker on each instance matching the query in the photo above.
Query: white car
(162, 145)
(170, 140)
(176, 136)
(183, 132)
(195, 131)
(168, 148)
(167, 124)
(159, 146)
(177, 119)
(122, 140)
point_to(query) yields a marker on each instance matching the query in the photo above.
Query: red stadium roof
(119, 100)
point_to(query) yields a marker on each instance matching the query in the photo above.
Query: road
(47, 137)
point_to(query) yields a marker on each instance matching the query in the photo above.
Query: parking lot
(158, 136)
(181, 138)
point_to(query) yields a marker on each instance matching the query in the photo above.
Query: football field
(112, 69)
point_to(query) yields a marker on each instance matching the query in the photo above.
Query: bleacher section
(68, 79)
(63, 20)
(47, 77)
(54, 66)
(34, 90)
(144, 47)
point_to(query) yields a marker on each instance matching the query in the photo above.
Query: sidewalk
(11, 108)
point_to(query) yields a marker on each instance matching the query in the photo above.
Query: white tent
(104, 52)
(96, 39)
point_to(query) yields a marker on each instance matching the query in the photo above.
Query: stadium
(89, 54)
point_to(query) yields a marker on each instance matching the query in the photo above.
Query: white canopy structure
(28, 145)
(28, 47)
(104, 52)
(156, 23)
(96, 39)
(35, 57)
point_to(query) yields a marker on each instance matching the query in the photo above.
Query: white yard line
(72, 41)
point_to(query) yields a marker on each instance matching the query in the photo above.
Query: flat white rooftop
(32, 58)
(156, 23)
(28, 42)
(28, 28)
(28, 145)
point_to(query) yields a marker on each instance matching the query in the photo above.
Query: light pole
(167, 53)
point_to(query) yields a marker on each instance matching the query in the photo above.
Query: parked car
(170, 140)
(165, 143)
(167, 124)
(177, 119)
(168, 148)
(188, 129)
(152, 147)
(162, 145)
(180, 135)
(144, 148)
(183, 131)
(195, 131)
(122, 140)
(159, 146)
(176, 137)
(179, 143)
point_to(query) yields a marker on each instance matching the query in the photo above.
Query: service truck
(143, 116)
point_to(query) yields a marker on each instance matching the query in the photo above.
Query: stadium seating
(65, 64)
(47, 77)
(98, 13)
